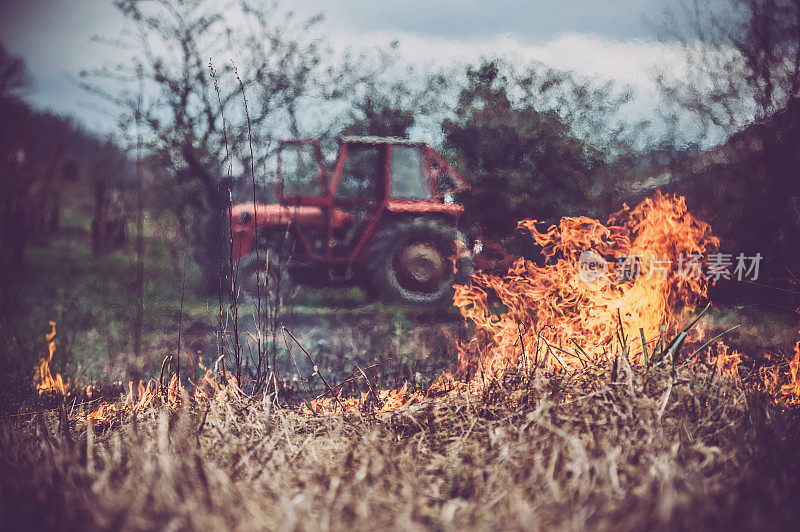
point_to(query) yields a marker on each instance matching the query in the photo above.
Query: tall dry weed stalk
(267, 304)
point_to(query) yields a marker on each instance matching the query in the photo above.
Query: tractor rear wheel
(418, 261)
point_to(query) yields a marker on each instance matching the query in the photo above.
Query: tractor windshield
(299, 169)
(408, 173)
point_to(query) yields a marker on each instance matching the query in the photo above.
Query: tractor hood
(245, 215)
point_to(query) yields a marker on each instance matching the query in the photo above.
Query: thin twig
(369, 384)
(353, 377)
(180, 318)
(303, 349)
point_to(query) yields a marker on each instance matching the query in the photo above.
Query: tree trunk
(99, 219)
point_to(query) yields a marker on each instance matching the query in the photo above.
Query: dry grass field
(654, 451)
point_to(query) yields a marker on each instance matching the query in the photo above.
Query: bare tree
(287, 69)
(742, 59)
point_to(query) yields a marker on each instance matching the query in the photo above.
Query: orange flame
(594, 276)
(43, 379)
(784, 386)
(727, 362)
(791, 390)
(147, 395)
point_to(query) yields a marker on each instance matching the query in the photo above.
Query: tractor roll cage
(328, 184)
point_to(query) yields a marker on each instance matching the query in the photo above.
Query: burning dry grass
(557, 417)
(636, 285)
(690, 450)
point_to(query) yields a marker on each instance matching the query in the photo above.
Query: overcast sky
(595, 37)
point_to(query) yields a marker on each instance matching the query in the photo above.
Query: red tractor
(383, 216)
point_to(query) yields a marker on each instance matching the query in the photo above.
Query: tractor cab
(370, 178)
